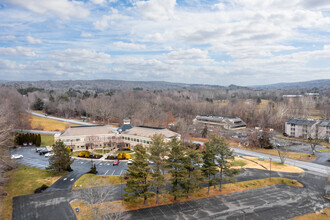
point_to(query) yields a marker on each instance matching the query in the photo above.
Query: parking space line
(106, 172)
(113, 171)
(121, 172)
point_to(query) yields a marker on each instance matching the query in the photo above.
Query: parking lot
(33, 159)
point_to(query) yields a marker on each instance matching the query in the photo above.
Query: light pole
(121, 187)
(243, 214)
(270, 168)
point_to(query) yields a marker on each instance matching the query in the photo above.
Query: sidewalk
(324, 170)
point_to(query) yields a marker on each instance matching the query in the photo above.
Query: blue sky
(243, 42)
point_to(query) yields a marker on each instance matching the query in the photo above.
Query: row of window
(86, 139)
(137, 140)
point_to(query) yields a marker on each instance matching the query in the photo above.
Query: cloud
(17, 51)
(112, 19)
(7, 38)
(85, 34)
(189, 55)
(128, 46)
(156, 9)
(63, 8)
(32, 40)
(81, 56)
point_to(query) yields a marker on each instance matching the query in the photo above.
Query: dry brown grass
(48, 124)
(165, 199)
(320, 215)
(91, 180)
(266, 163)
(324, 143)
(291, 155)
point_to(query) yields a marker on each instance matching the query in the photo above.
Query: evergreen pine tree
(158, 150)
(193, 178)
(61, 160)
(175, 165)
(38, 140)
(138, 173)
(209, 168)
(224, 155)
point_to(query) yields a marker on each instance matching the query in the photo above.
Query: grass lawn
(326, 150)
(165, 199)
(91, 180)
(291, 155)
(320, 215)
(276, 166)
(47, 140)
(100, 151)
(23, 181)
(48, 124)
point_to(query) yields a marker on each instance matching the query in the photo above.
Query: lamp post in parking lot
(270, 168)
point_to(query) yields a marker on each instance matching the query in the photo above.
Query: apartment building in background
(308, 128)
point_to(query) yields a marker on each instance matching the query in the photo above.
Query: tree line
(179, 107)
(178, 169)
(22, 138)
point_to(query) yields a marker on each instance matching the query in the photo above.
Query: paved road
(275, 202)
(62, 119)
(36, 132)
(54, 205)
(324, 170)
(79, 166)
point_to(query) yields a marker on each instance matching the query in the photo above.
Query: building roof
(233, 121)
(301, 121)
(325, 123)
(148, 132)
(125, 127)
(88, 130)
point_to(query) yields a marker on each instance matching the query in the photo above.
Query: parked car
(43, 152)
(49, 154)
(16, 156)
(115, 163)
(40, 149)
(130, 161)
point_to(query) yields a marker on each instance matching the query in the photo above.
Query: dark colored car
(115, 163)
(43, 152)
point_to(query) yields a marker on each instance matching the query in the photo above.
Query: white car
(130, 161)
(49, 154)
(16, 156)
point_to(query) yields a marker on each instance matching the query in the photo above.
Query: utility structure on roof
(225, 122)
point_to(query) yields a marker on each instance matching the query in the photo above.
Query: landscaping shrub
(128, 156)
(69, 149)
(129, 148)
(93, 170)
(124, 155)
(87, 154)
(120, 156)
(81, 154)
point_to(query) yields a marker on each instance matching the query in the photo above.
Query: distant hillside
(322, 83)
(108, 85)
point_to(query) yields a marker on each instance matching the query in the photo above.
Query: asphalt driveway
(274, 202)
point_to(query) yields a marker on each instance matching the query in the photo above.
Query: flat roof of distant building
(89, 130)
(146, 131)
